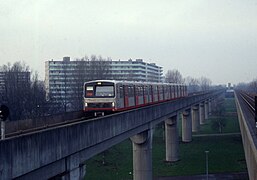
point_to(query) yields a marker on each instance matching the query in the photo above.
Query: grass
(225, 154)
(230, 118)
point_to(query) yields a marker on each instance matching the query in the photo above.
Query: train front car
(99, 96)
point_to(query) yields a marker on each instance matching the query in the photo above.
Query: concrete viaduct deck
(63, 150)
(249, 136)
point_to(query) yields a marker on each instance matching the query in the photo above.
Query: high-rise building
(64, 79)
(137, 70)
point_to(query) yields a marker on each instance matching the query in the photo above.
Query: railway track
(250, 101)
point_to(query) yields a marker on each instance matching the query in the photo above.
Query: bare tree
(205, 83)
(98, 68)
(219, 123)
(173, 76)
(80, 77)
(21, 95)
(37, 105)
(253, 86)
(192, 83)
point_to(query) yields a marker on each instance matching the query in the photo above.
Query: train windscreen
(104, 91)
(99, 90)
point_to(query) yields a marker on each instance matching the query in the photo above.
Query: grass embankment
(226, 153)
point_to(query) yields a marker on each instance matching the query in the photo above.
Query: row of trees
(249, 87)
(24, 95)
(194, 84)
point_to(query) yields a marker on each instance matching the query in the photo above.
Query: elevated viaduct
(62, 151)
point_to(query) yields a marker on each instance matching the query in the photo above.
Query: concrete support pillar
(195, 119)
(2, 129)
(171, 139)
(210, 106)
(142, 156)
(215, 104)
(206, 110)
(75, 171)
(186, 126)
(202, 113)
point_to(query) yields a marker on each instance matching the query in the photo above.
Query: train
(105, 96)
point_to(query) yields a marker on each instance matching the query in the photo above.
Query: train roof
(133, 82)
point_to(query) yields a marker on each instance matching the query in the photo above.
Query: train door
(171, 92)
(161, 93)
(131, 95)
(175, 91)
(166, 92)
(155, 93)
(136, 91)
(126, 97)
(179, 91)
(150, 93)
(140, 94)
(145, 94)
(120, 96)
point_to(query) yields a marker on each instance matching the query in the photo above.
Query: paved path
(218, 134)
(223, 176)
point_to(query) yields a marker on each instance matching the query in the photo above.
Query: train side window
(130, 91)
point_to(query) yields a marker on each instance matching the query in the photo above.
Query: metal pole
(207, 173)
(255, 99)
(2, 130)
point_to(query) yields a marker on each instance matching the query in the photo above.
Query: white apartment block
(137, 70)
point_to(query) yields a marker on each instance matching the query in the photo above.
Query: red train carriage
(111, 95)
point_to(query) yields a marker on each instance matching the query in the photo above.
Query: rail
(250, 100)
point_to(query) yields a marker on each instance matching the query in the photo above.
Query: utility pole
(255, 108)
(207, 168)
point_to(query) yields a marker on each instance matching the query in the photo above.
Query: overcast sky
(212, 38)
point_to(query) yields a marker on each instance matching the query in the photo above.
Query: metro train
(111, 96)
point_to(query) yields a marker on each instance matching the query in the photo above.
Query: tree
(253, 86)
(205, 83)
(20, 94)
(192, 84)
(173, 76)
(98, 68)
(219, 122)
(80, 76)
(37, 105)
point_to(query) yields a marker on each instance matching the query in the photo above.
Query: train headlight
(85, 104)
(113, 104)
